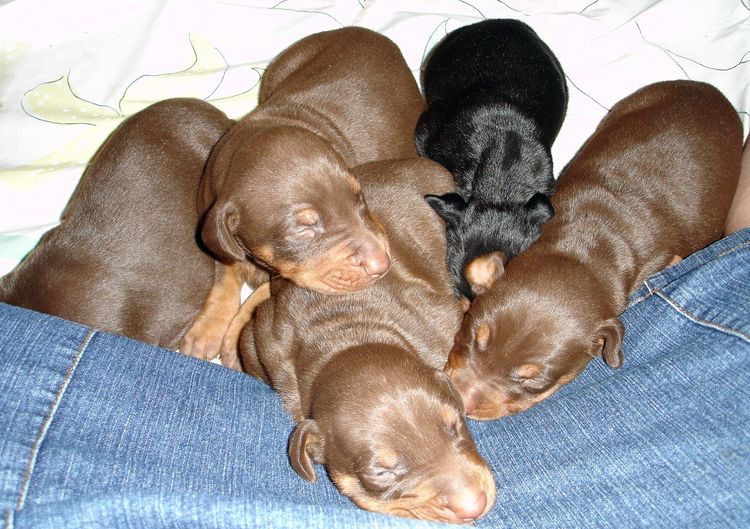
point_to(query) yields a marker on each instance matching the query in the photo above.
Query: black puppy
(496, 99)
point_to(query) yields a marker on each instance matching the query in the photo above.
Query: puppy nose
(376, 263)
(468, 396)
(468, 504)
(468, 404)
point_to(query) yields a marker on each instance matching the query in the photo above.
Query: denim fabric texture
(102, 431)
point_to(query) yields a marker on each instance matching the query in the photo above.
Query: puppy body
(496, 99)
(278, 191)
(361, 374)
(655, 180)
(125, 258)
(278, 185)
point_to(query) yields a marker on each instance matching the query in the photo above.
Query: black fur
(496, 99)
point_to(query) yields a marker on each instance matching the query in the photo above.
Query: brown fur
(655, 180)
(361, 373)
(125, 257)
(278, 191)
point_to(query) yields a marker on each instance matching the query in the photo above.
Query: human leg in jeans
(102, 431)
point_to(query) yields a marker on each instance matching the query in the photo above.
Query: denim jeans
(102, 431)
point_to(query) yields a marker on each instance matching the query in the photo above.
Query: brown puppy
(125, 257)
(278, 190)
(362, 376)
(655, 180)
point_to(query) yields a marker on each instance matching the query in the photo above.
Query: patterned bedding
(72, 71)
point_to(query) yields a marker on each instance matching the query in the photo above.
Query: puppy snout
(462, 384)
(467, 504)
(376, 264)
(469, 403)
(373, 258)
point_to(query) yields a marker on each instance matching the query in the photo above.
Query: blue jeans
(101, 431)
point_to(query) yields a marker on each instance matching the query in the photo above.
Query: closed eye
(305, 232)
(537, 384)
(379, 478)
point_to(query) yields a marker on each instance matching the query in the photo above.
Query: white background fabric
(71, 71)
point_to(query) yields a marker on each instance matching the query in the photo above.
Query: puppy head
(520, 342)
(391, 433)
(288, 201)
(477, 229)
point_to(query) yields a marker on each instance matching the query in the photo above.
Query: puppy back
(656, 179)
(353, 87)
(412, 307)
(125, 257)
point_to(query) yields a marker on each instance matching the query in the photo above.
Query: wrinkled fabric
(73, 70)
(103, 431)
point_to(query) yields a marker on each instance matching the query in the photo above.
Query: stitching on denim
(48, 420)
(732, 249)
(651, 290)
(8, 519)
(700, 321)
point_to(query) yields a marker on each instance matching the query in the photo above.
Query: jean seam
(701, 321)
(9, 519)
(652, 289)
(634, 301)
(733, 249)
(44, 428)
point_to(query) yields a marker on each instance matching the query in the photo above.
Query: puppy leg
(203, 339)
(230, 344)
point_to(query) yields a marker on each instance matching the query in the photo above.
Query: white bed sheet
(72, 71)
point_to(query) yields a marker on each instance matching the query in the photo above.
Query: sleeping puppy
(655, 180)
(496, 99)
(362, 376)
(125, 258)
(278, 194)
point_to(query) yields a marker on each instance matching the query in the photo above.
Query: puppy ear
(539, 208)
(608, 341)
(448, 206)
(483, 271)
(306, 447)
(219, 227)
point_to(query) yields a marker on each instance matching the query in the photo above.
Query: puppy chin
(342, 279)
(345, 280)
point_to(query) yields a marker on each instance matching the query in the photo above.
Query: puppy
(125, 257)
(278, 194)
(496, 99)
(362, 376)
(655, 180)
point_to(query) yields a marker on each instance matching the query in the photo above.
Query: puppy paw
(232, 362)
(676, 259)
(230, 344)
(204, 339)
(229, 351)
